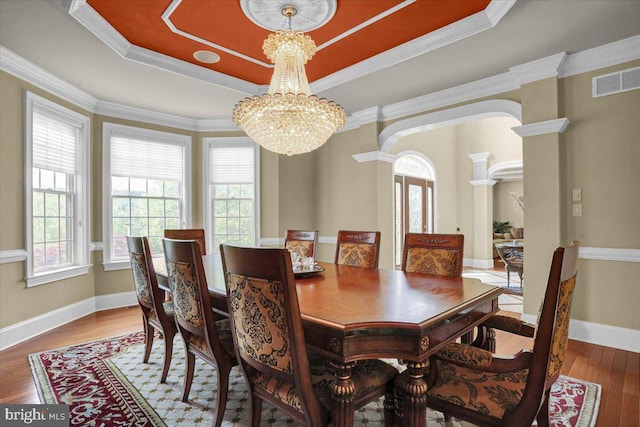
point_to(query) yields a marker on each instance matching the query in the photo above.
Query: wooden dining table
(352, 313)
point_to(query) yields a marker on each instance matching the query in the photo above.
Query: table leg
(342, 393)
(415, 395)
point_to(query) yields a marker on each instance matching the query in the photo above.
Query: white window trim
(209, 142)
(108, 129)
(82, 225)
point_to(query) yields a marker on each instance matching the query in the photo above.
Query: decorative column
(540, 134)
(482, 211)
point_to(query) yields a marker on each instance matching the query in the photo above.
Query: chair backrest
(266, 322)
(439, 254)
(144, 275)
(358, 248)
(196, 234)
(302, 241)
(190, 295)
(552, 331)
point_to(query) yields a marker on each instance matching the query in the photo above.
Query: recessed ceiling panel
(359, 29)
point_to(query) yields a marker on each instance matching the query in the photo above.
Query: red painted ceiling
(223, 22)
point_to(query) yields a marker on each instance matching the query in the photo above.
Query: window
(231, 173)
(146, 188)
(57, 191)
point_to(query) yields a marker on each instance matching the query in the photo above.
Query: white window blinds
(137, 158)
(54, 142)
(231, 164)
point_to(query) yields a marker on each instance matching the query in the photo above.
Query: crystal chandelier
(288, 119)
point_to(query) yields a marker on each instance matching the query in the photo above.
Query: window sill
(54, 276)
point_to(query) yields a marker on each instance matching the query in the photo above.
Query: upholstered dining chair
(358, 248)
(478, 386)
(267, 330)
(302, 241)
(196, 234)
(203, 336)
(439, 254)
(156, 314)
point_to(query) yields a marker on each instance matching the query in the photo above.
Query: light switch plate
(576, 195)
(577, 209)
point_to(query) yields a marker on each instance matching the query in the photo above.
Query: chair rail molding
(610, 254)
(13, 255)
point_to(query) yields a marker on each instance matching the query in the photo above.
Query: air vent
(621, 81)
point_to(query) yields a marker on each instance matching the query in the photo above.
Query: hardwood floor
(617, 371)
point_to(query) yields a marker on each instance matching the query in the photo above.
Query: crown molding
(357, 119)
(373, 156)
(615, 53)
(16, 65)
(539, 69)
(134, 113)
(216, 125)
(542, 128)
(607, 55)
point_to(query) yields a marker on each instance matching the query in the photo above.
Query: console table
(513, 256)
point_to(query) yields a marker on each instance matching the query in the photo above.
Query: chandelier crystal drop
(288, 119)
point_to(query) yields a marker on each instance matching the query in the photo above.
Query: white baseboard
(123, 299)
(22, 331)
(597, 333)
(477, 263)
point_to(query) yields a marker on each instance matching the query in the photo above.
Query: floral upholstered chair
(439, 254)
(269, 337)
(478, 386)
(203, 336)
(196, 234)
(303, 242)
(156, 314)
(358, 248)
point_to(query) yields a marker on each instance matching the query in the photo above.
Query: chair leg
(168, 352)
(148, 339)
(256, 411)
(543, 414)
(190, 360)
(223, 389)
(389, 408)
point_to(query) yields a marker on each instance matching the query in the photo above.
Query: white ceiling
(42, 32)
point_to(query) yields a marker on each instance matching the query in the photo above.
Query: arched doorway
(414, 198)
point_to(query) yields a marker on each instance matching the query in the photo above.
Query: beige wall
(17, 302)
(600, 151)
(505, 207)
(329, 190)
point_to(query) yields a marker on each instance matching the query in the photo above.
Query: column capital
(480, 182)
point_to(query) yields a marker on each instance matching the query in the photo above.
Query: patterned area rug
(106, 384)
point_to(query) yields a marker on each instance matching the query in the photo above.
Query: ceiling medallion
(288, 119)
(311, 14)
